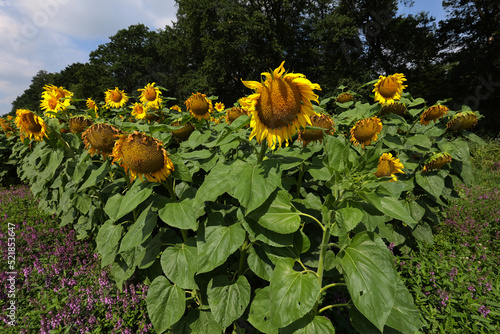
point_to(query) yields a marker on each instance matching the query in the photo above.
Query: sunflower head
(79, 124)
(6, 126)
(433, 114)
(150, 93)
(389, 166)
(138, 110)
(219, 106)
(183, 133)
(100, 138)
(54, 101)
(233, 113)
(30, 124)
(176, 108)
(115, 98)
(280, 105)
(344, 97)
(395, 108)
(366, 130)
(437, 161)
(142, 155)
(199, 106)
(462, 121)
(387, 89)
(321, 121)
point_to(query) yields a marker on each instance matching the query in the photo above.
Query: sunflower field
(255, 216)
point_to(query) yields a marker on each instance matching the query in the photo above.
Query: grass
(60, 287)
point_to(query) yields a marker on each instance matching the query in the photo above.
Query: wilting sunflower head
(176, 108)
(233, 113)
(280, 105)
(142, 155)
(344, 97)
(389, 166)
(79, 124)
(321, 121)
(149, 94)
(115, 98)
(433, 114)
(6, 128)
(138, 110)
(100, 138)
(183, 133)
(366, 130)
(30, 124)
(462, 121)
(395, 108)
(219, 106)
(387, 89)
(437, 161)
(199, 106)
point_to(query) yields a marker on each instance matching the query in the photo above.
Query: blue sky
(52, 34)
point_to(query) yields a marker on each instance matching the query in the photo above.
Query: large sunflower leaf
(140, 230)
(179, 264)
(309, 324)
(96, 176)
(370, 277)
(228, 301)
(179, 214)
(389, 206)
(432, 183)
(166, 303)
(292, 293)
(217, 182)
(253, 185)
(107, 241)
(260, 312)
(118, 206)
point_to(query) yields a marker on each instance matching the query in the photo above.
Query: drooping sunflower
(437, 161)
(100, 138)
(395, 108)
(389, 166)
(219, 106)
(366, 130)
(344, 97)
(462, 121)
(233, 113)
(433, 114)
(199, 106)
(387, 89)
(183, 133)
(138, 110)
(6, 128)
(78, 124)
(142, 155)
(280, 105)
(321, 121)
(150, 94)
(115, 98)
(30, 124)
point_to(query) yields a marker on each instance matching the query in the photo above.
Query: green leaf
(390, 206)
(198, 321)
(179, 214)
(181, 171)
(96, 176)
(418, 140)
(107, 240)
(179, 263)
(122, 271)
(310, 324)
(431, 182)
(370, 277)
(253, 185)
(228, 301)
(278, 214)
(334, 149)
(118, 206)
(217, 182)
(423, 232)
(259, 262)
(82, 202)
(140, 230)
(349, 217)
(218, 242)
(404, 316)
(166, 303)
(260, 312)
(473, 138)
(292, 294)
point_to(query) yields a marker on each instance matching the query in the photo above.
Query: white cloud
(52, 34)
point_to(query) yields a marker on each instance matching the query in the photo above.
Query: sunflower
(366, 130)
(7, 129)
(233, 113)
(91, 105)
(100, 138)
(321, 121)
(433, 114)
(142, 155)
(60, 92)
(30, 124)
(437, 161)
(395, 108)
(138, 111)
(344, 97)
(280, 105)
(388, 89)
(199, 106)
(219, 106)
(176, 108)
(115, 98)
(78, 124)
(461, 121)
(183, 133)
(149, 94)
(389, 166)
(52, 103)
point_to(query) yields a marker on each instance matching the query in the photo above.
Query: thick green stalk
(262, 153)
(324, 248)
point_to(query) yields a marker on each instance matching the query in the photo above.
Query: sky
(52, 34)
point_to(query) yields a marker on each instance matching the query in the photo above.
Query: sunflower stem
(262, 153)
(324, 248)
(67, 148)
(332, 306)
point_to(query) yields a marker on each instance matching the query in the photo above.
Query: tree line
(213, 45)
